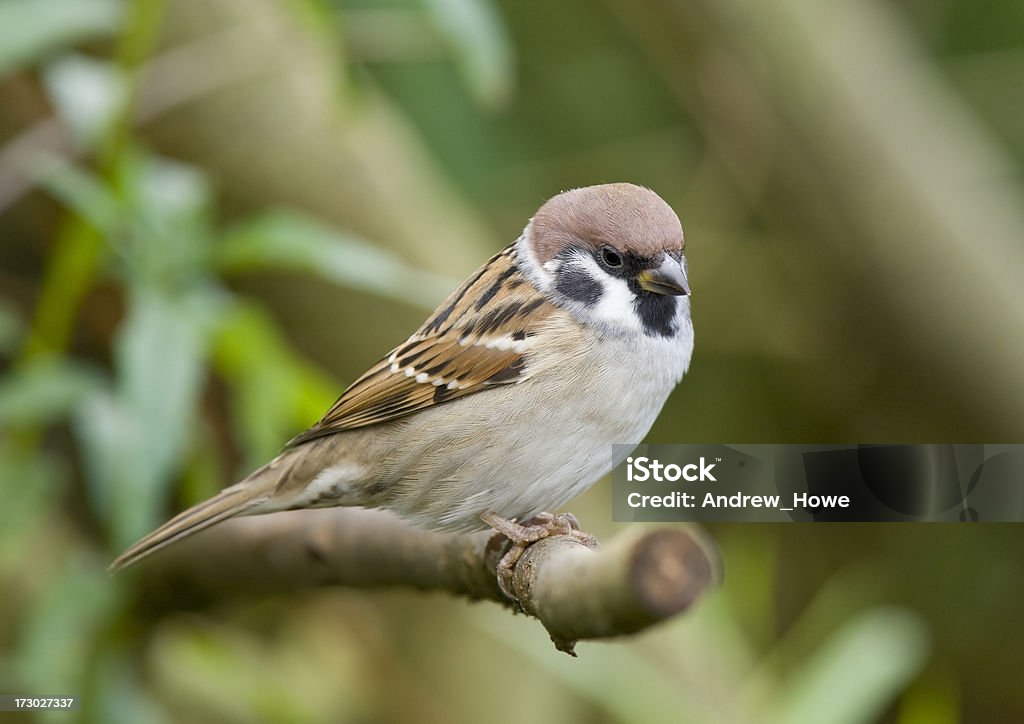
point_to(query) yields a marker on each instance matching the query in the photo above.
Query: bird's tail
(236, 500)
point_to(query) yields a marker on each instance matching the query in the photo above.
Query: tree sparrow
(507, 401)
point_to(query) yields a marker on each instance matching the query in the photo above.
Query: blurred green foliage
(214, 213)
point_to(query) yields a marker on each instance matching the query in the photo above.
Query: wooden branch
(639, 578)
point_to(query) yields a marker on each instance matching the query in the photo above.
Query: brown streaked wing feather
(496, 304)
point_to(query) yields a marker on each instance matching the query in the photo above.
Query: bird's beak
(666, 279)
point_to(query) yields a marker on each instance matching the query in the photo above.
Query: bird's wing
(481, 336)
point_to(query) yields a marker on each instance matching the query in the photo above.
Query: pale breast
(529, 447)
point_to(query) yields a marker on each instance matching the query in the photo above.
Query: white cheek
(615, 308)
(616, 305)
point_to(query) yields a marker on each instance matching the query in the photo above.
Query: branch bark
(641, 577)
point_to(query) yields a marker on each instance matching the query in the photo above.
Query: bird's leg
(521, 535)
(560, 524)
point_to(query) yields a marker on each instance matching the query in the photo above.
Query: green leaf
(28, 488)
(11, 327)
(44, 390)
(119, 693)
(134, 437)
(32, 29)
(630, 687)
(291, 241)
(160, 228)
(233, 675)
(483, 50)
(53, 648)
(168, 195)
(168, 213)
(159, 353)
(87, 94)
(80, 191)
(228, 673)
(858, 672)
(107, 435)
(275, 392)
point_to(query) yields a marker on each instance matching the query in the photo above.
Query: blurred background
(214, 214)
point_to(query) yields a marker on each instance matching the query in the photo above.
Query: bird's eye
(611, 258)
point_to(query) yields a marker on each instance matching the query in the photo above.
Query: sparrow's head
(612, 255)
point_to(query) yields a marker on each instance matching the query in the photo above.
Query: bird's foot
(522, 535)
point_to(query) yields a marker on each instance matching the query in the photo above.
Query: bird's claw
(523, 535)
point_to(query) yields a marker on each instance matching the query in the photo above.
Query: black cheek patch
(657, 312)
(578, 285)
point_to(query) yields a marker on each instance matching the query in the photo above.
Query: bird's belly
(536, 462)
(520, 450)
